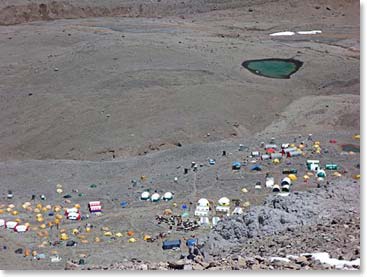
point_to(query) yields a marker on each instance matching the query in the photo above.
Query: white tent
(204, 220)
(155, 197)
(73, 216)
(203, 202)
(11, 224)
(237, 211)
(2, 222)
(21, 228)
(286, 181)
(224, 201)
(223, 210)
(276, 188)
(145, 195)
(215, 220)
(71, 210)
(168, 196)
(269, 182)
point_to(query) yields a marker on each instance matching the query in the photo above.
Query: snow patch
(282, 34)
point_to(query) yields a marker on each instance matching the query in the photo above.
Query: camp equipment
(289, 171)
(331, 166)
(256, 167)
(313, 165)
(269, 181)
(191, 242)
(123, 204)
(236, 165)
(292, 177)
(276, 155)
(321, 173)
(265, 157)
(95, 206)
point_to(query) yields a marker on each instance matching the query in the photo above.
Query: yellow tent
(292, 177)
(357, 136)
(64, 236)
(75, 231)
(132, 240)
(147, 237)
(119, 235)
(337, 174)
(276, 161)
(246, 204)
(306, 177)
(244, 190)
(167, 212)
(97, 239)
(107, 234)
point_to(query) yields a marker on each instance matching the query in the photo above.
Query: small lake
(273, 68)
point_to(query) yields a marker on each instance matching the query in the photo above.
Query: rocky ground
(337, 235)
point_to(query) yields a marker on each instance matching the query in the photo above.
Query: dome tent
(203, 202)
(224, 201)
(155, 197)
(168, 196)
(145, 195)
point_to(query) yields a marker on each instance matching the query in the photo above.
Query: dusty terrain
(145, 89)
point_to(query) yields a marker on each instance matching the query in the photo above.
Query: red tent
(270, 150)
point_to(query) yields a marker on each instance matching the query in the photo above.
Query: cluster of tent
(14, 225)
(155, 197)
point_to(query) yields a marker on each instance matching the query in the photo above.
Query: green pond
(273, 68)
(351, 147)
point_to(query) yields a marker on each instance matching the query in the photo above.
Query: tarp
(123, 204)
(191, 242)
(256, 167)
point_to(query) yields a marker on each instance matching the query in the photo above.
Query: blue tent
(123, 204)
(236, 165)
(256, 167)
(169, 244)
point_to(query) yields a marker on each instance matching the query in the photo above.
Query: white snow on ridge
(288, 33)
(313, 32)
(324, 258)
(282, 34)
